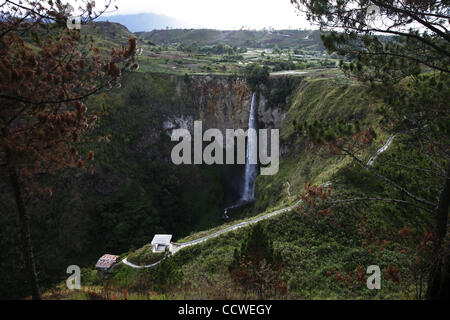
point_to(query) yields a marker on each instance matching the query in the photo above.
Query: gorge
(141, 164)
(137, 192)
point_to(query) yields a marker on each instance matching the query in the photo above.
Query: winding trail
(175, 247)
(381, 150)
(132, 265)
(288, 188)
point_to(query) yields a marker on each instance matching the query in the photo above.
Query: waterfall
(251, 166)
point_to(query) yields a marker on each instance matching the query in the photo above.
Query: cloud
(220, 14)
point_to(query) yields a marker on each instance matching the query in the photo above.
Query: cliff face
(221, 102)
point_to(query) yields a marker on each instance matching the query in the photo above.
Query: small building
(107, 262)
(161, 242)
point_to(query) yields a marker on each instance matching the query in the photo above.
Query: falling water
(251, 167)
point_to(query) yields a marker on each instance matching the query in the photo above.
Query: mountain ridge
(147, 21)
(301, 39)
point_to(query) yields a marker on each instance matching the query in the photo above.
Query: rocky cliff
(221, 102)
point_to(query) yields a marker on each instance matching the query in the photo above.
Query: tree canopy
(47, 71)
(401, 50)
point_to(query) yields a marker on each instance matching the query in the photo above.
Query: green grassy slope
(107, 33)
(315, 99)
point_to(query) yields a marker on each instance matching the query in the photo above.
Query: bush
(145, 255)
(256, 268)
(166, 275)
(256, 75)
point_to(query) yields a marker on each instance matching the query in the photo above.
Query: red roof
(106, 261)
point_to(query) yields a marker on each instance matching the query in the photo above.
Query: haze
(219, 14)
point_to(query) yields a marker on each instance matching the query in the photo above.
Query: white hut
(161, 242)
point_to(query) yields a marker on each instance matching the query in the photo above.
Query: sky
(221, 14)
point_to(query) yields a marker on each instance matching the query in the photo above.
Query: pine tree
(46, 73)
(389, 45)
(256, 267)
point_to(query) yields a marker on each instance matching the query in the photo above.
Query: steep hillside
(107, 34)
(315, 99)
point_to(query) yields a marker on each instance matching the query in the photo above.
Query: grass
(145, 256)
(322, 94)
(201, 234)
(309, 249)
(169, 59)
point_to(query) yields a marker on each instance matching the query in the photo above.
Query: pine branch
(380, 199)
(387, 180)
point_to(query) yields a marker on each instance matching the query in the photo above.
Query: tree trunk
(438, 282)
(27, 249)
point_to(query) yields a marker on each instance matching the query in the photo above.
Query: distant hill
(147, 22)
(302, 39)
(108, 31)
(119, 33)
